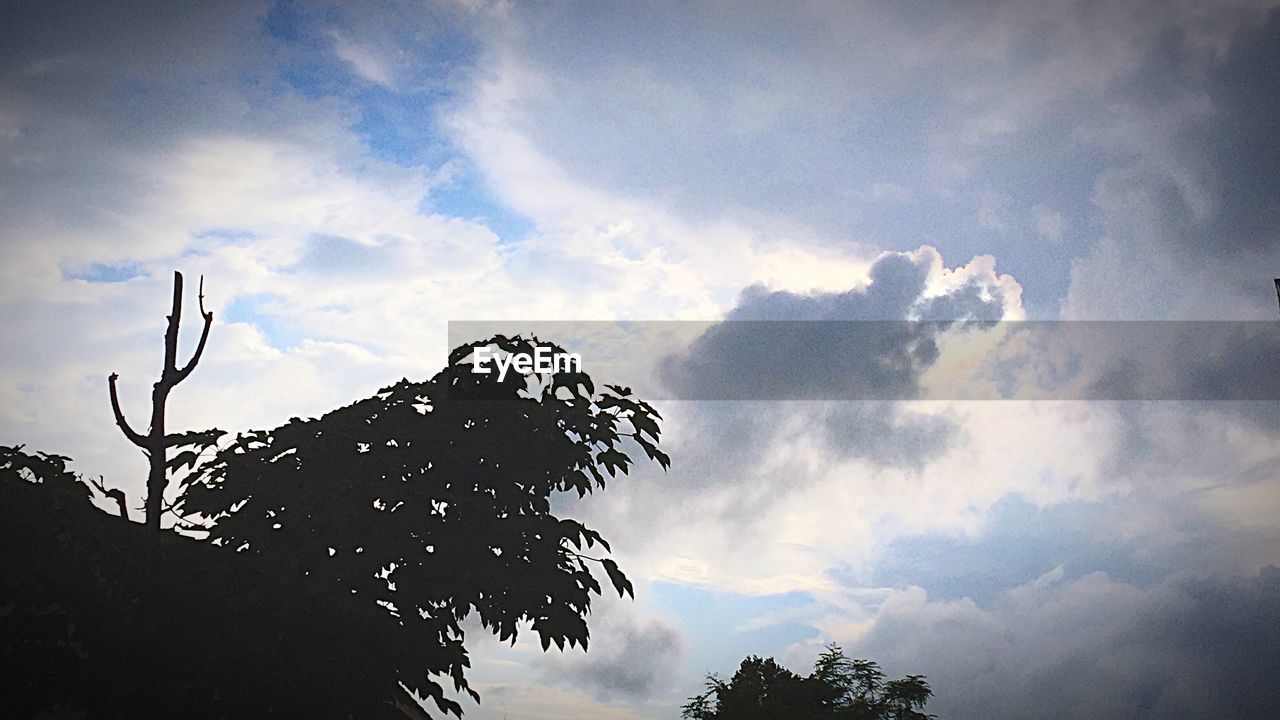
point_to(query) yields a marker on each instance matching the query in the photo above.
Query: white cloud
(366, 61)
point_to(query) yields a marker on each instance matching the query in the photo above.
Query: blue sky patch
(261, 310)
(722, 616)
(1019, 544)
(225, 234)
(468, 197)
(334, 254)
(105, 272)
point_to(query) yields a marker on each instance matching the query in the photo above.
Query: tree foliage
(340, 555)
(838, 687)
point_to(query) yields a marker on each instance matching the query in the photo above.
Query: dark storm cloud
(127, 73)
(1164, 536)
(743, 458)
(97, 99)
(1094, 648)
(782, 345)
(1236, 151)
(734, 462)
(1189, 224)
(84, 88)
(878, 432)
(1210, 380)
(787, 345)
(1147, 360)
(630, 658)
(727, 462)
(100, 100)
(1239, 361)
(894, 126)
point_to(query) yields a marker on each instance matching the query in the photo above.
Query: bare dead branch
(204, 337)
(171, 333)
(129, 432)
(584, 557)
(154, 444)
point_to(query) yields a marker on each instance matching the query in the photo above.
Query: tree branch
(171, 332)
(584, 557)
(115, 494)
(129, 432)
(204, 337)
(414, 712)
(182, 519)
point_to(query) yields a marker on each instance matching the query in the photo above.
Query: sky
(349, 178)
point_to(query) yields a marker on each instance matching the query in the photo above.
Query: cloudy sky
(348, 179)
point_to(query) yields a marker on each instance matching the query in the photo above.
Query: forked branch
(204, 337)
(153, 444)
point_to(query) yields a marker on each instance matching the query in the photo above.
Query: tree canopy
(838, 687)
(334, 559)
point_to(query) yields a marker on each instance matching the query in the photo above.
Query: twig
(585, 557)
(182, 518)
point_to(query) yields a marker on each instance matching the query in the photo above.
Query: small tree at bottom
(838, 687)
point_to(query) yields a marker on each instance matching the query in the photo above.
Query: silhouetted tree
(432, 500)
(155, 443)
(838, 687)
(340, 555)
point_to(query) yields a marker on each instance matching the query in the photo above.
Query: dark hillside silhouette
(324, 567)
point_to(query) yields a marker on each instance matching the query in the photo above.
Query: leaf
(663, 459)
(613, 460)
(574, 381)
(589, 582)
(620, 581)
(593, 536)
(644, 424)
(186, 457)
(649, 409)
(595, 473)
(575, 533)
(654, 453)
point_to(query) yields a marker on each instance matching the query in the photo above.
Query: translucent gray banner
(916, 360)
